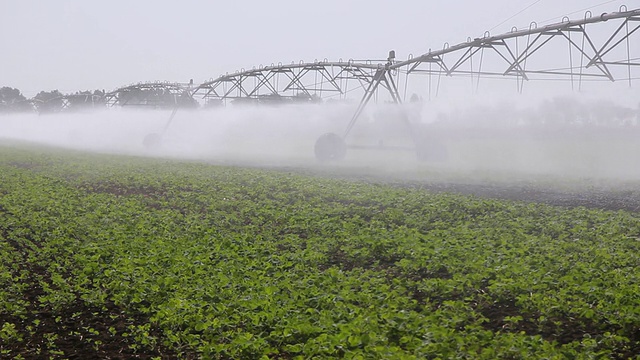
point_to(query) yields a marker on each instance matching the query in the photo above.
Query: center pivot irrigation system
(589, 49)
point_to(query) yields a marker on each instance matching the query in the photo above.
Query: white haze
(480, 139)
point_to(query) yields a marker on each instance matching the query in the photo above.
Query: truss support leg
(153, 141)
(427, 148)
(173, 115)
(373, 86)
(332, 146)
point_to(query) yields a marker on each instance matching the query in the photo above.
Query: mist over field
(560, 137)
(343, 179)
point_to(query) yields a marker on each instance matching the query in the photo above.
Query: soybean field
(106, 256)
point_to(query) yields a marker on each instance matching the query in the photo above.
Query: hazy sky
(74, 45)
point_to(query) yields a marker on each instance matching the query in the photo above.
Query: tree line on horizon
(13, 101)
(557, 111)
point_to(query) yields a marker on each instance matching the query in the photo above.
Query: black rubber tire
(330, 147)
(152, 141)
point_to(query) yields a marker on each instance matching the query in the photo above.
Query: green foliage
(12, 100)
(245, 263)
(9, 96)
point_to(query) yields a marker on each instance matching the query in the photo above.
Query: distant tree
(10, 95)
(49, 101)
(45, 96)
(12, 100)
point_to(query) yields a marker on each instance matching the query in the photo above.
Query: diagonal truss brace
(382, 77)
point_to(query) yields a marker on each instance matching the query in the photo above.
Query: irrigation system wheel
(330, 147)
(152, 141)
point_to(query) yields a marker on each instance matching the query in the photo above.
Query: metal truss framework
(293, 82)
(69, 102)
(587, 59)
(594, 60)
(518, 54)
(152, 94)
